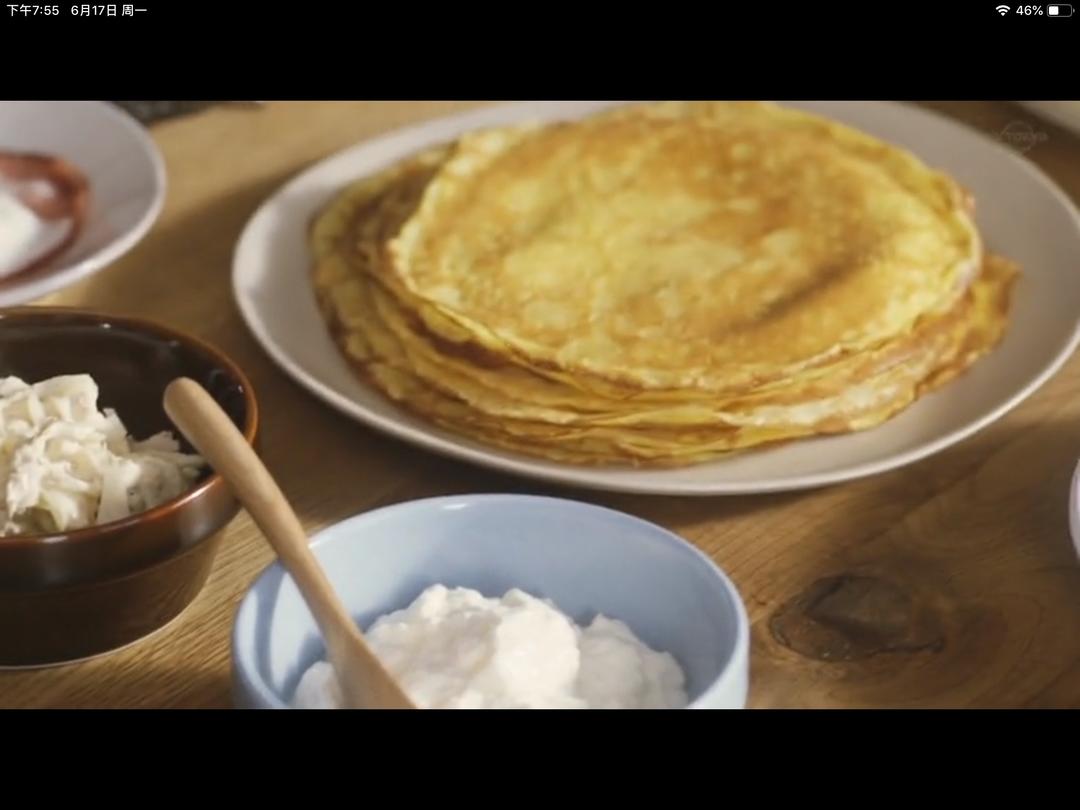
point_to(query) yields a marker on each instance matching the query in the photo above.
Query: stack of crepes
(658, 284)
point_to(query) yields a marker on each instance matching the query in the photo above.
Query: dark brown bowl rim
(250, 429)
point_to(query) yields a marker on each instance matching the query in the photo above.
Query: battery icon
(1059, 11)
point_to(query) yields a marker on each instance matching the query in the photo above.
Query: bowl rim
(740, 648)
(1074, 508)
(139, 324)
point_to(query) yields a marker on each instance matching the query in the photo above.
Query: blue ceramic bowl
(585, 558)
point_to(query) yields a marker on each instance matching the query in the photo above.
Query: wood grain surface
(952, 582)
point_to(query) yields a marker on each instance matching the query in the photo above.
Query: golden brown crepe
(661, 284)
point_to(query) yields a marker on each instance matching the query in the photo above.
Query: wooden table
(951, 582)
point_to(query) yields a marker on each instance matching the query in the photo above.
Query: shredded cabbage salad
(66, 465)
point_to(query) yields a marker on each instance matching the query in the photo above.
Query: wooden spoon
(365, 683)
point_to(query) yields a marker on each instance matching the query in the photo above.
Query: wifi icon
(1002, 10)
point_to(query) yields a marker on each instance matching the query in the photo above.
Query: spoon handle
(217, 439)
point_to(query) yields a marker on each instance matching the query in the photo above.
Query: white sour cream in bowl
(454, 648)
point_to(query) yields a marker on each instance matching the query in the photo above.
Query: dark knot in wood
(850, 617)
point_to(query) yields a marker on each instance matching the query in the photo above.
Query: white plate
(126, 175)
(1022, 214)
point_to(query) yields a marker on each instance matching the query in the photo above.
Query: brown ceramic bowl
(73, 595)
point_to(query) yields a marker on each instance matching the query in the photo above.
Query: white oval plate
(126, 175)
(1021, 213)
